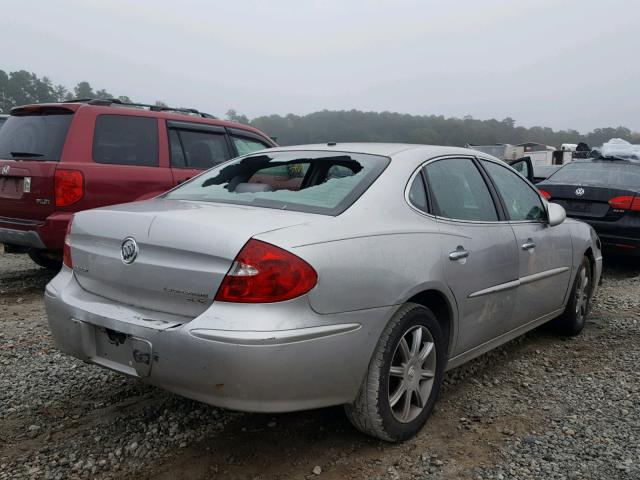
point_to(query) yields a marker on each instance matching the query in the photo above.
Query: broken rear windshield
(315, 182)
(38, 135)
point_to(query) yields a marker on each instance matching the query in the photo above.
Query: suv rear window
(38, 135)
(316, 182)
(126, 140)
(608, 173)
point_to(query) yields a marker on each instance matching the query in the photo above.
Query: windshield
(36, 136)
(315, 182)
(606, 173)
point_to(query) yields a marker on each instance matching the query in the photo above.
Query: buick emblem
(129, 250)
(5, 170)
(579, 191)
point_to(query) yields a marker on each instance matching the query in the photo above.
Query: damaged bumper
(263, 358)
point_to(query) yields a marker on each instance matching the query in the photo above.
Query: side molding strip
(522, 281)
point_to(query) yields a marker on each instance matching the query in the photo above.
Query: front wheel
(572, 321)
(404, 377)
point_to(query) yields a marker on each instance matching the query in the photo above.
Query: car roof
(125, 109)
(384, 149)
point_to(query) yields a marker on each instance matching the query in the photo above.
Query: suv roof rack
(153, 108)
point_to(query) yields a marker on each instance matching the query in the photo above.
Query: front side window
(126, 140)
(245, 145)
(522, 202)
(316, 182)
(459, 192)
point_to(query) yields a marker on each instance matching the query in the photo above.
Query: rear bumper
(297, 360)
(48, 234)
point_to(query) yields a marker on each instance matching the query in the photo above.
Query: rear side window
(37, 135)
(245, 146)
(202, 150)
(126, 140)
(607, 173)
(418, 194)
(459, 192)
(316, 182)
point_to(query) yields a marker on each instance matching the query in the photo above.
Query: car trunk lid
(587, 201)
(184, 250)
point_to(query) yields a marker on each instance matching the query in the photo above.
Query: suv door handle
(182, 180)
(458, 254)
(528, 245)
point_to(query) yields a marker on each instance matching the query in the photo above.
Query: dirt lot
(541, 407)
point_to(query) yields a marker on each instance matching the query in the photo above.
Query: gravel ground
(540, 407)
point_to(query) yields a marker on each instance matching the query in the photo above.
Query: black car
(604, 192)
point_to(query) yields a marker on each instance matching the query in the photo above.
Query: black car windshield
(608, 173)
(306, 181)
(38, 135)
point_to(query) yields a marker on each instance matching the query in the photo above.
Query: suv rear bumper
(48, 234)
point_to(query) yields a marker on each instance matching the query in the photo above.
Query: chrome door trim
(521, 281)
(542, 275)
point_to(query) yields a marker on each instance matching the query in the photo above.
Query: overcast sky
(563, 64)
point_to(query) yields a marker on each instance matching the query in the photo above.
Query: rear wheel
(46, 259)
(572, 321)
(404, 377)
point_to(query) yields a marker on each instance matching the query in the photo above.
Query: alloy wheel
(412, 373)
(582, 294)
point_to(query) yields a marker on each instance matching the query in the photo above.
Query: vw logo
(5, 170)
(579, 191)
(129, 250)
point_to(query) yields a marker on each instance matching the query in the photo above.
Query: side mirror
(556, 214)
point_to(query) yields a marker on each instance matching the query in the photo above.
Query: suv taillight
(69, 187)
(66, 248)
(264, 273)
(626, 202)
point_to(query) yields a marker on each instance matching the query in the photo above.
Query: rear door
(31, 144)
(479, 249)
(124, 163)
(195, 147)
(545, 253)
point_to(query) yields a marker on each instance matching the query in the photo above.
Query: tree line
(358, 126)
(22, 87)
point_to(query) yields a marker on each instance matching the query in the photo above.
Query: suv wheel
(404, 377)
(45, 259)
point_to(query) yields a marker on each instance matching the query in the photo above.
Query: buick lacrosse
(339, 274)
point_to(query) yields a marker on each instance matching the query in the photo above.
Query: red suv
(60, 158)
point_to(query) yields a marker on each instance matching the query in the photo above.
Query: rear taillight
(264, 273)
(69, 187)
(625, 202)
(545, 194)
(66, 249)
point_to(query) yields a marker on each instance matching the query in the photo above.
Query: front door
(479, 250)
(545, 258)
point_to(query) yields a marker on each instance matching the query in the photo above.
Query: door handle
(458, 254)
(182, 180)
(528, 245)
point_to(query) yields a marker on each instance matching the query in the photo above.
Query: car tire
(572, 320)
(380, 409)
(45, 259)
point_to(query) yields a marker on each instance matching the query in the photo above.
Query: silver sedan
(310, 276)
